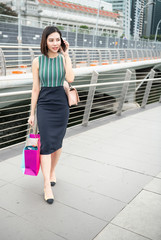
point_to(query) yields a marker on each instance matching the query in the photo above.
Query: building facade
(125, 7)
(72, 15)
(137, 16)
(94, 4)
(148, 19)
(145, 16)
(156, 17)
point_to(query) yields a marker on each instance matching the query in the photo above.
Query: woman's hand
(31, 120)
(66, 53)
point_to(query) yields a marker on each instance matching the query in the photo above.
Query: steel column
(147, 90)
(3, 63)
(32, 54)
(90, 98)
(124, 92)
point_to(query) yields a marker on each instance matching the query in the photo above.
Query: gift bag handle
(30, 130)
(30, 127)
(34, 130)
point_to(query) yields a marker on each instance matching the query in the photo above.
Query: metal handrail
(84, 86)
(98, 100)
(81, 57)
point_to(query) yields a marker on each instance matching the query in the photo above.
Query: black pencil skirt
(52, 118)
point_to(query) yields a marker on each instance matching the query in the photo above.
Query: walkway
(108, 185)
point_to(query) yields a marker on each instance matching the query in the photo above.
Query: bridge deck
(108, 185)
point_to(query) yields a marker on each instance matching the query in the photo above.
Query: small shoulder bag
(72, 94)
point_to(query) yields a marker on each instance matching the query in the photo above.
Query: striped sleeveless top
(51, 71)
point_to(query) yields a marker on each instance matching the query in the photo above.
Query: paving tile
(133, 163)
(154, 139)
(7, 153)
(154, 186)
(16, 160)
(159, 175)
(142, 215)
(110, 153)
(19, 147)
(2, 183)
(100, 171)
(82, 199)
(143, 126)
(18, 200)
(66, 221)
(112, 232)
(148, 117)
(9, 172)
(110, 181)
(137, 162)
(33, 184)
(123, 147)
(123, 140)
(14, 227)
(94, 204)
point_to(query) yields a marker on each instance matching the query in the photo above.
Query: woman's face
(53, 42)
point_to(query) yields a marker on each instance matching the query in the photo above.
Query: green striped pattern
(51, 71)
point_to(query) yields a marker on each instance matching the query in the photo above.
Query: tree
(83, 28)
(60, 27)
(122, 36)
(5, 10)
(145, 37)
(158, 38)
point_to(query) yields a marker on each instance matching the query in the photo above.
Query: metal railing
(75, 35)
(18, 59)
(101, 95)
(67, 27)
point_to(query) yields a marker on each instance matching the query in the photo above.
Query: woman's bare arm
(35, 90)
(69, 76)
(36, 85)
(67, 63)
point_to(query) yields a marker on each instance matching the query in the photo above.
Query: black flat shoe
(52, 184)
(49, 200)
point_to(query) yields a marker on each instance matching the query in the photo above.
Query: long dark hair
(47, 31)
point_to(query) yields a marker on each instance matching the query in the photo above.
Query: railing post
(100, 57)
(118, 56)
(3, 63)
(142, 52)
(67, 32)
(110, 56)
(88, 57)
(32, 54)
(124, 92)
(160, 99)
(73, 58)
(107, 40)
(125, 51)
(132, 55)
(147, 90)
(76, 36)
(137, 53)
(151, 55)
(90, 98)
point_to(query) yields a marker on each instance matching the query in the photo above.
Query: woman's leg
(54, 160)
(46, 167)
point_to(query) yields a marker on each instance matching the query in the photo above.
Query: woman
(49, 71)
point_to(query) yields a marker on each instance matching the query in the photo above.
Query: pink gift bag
(31, 156)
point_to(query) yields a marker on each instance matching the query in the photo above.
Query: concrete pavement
(108, 185)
